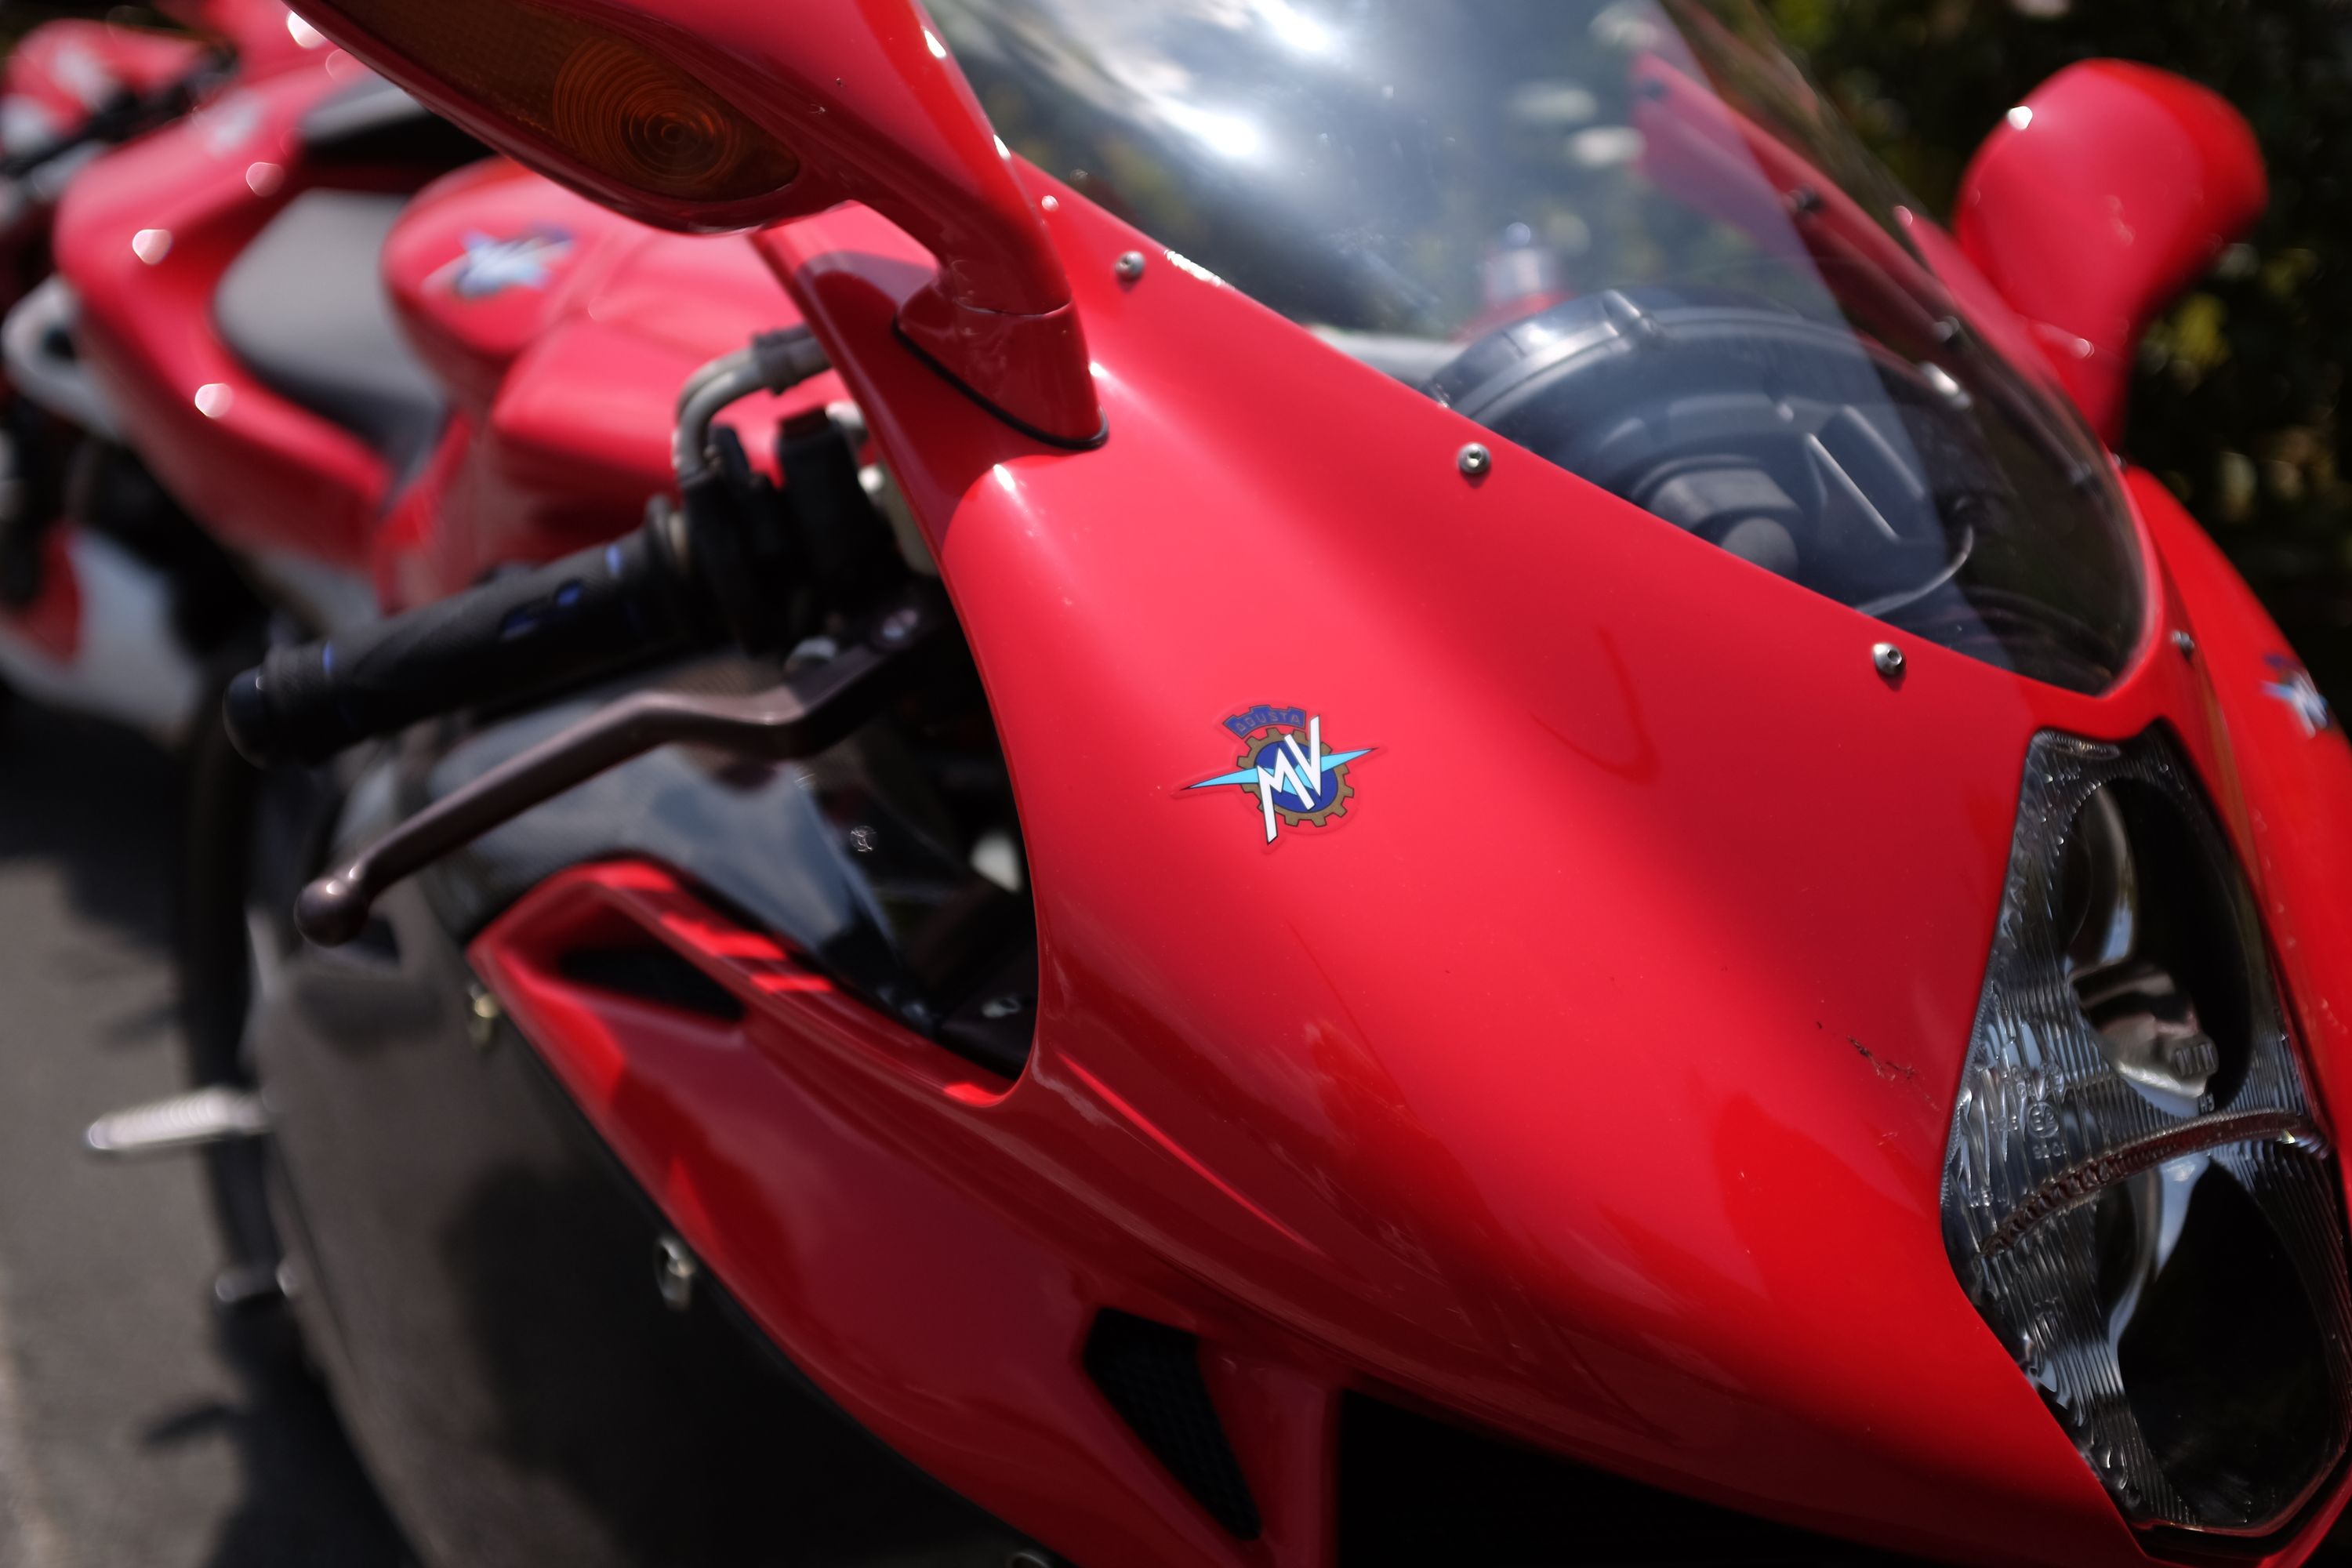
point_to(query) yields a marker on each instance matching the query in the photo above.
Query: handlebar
(738, 560)
(517, 635)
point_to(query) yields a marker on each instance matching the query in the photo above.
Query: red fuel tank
(563, 333)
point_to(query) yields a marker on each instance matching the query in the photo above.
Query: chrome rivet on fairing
(1474, 460)
(1129, 266)
(2185, 644)
(1888, 659)
(482, 1016)
(674, 1272)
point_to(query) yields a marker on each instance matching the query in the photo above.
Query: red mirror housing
(2109, 190)
(858, 101)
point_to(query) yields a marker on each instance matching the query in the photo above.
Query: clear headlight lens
(2137, 1196)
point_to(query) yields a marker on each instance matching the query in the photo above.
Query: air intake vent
(1151, 1375)
(650, 972)
(1416, 1492)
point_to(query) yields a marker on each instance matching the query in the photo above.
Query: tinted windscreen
(1627, 236)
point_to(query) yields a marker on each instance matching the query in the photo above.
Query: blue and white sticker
(1292, 779)
(2292, 685)
(490, 266)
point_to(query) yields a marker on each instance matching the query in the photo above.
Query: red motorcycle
(342, 396)
(1466, 821)
(109, 601)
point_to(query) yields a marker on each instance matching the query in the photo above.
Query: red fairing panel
(564, 333)
(68, 67)
(941, 1306)
(873, 109)
(1589, 1077)
(2293, 807)
(259, 471)
(469, 325)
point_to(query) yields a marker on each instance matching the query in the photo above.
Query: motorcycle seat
(372, 121)
(304, 307)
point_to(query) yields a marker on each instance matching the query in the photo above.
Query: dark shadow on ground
(102, 804)
(305, 1500)
(97, 811)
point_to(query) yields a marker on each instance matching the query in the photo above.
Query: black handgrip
(511, 637)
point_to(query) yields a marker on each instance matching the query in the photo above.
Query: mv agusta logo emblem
(1291, 779)
(2292, 685)
(490, 267)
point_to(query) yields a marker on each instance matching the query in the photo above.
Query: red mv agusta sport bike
(110, 602)
(1452, 814)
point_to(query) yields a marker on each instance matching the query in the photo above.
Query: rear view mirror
(712, 116)
(2108, 191)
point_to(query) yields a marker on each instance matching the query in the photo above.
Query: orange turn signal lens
(621, 110)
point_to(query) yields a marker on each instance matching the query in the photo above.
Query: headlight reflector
(2137, 1196)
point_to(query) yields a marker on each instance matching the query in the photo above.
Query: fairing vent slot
(1413, 1490)
(650, 972)
(1151, 1375)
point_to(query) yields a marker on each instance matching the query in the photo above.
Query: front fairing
(1589, 1074)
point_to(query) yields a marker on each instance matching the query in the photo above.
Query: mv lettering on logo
(1298, 775)
(1294, 782)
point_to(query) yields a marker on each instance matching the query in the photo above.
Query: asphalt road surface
(136, 1426)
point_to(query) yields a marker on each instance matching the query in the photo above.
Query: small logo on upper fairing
(1292, 781)
(489, 266)
(2295, 686)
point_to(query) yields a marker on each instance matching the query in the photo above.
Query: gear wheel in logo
(1331, 802)
(1304, 783)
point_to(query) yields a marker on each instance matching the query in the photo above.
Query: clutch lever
(800, 717)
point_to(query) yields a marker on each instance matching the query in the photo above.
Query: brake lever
(793, 720)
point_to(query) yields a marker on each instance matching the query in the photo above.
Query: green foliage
(2238, 398)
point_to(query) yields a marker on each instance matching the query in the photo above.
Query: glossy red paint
(564, 387)
(877, 112)
(1594, 1084)
(2293, 785)
(54, 79)
(68, 67)
(2112, 187)
(471, 342)
(262, 473)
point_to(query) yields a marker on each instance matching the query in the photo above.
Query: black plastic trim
(1150, 1372)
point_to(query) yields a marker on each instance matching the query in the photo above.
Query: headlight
(2137, 1196)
